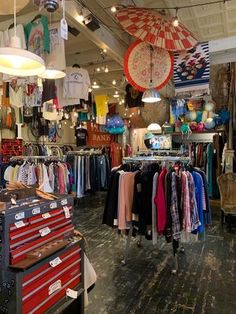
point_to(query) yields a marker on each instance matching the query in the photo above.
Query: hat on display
(148, 136)
(209, 124)
(191, 115)
(154, 127)
(210, 105)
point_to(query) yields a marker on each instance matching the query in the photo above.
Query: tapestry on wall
(192, 69)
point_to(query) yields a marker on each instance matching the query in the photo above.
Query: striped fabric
(155, 29)
(192, 69)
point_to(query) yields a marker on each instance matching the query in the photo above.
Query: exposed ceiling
(207, 22)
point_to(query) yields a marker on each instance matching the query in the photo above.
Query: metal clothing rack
(84, 152)
(14, 158)
(156, 158)
(146, 159)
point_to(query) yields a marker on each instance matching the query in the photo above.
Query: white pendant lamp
(19, 62)
(151, 95)
(52, 74)
(154, 127)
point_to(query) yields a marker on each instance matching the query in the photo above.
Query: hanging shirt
(5, 41)
(133, 97)
(76, 83)
(37, 36)
(81, 136)
(56, 58)
(101, 105)
(161, 203)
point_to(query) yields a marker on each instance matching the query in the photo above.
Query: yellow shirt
(101, 105)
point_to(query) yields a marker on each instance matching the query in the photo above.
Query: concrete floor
(205, 282)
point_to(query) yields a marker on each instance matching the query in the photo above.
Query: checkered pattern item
(155, 29)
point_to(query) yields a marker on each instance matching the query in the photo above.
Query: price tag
(66, 211)
(64, 202)
(20, 216)
(54, 287)
(53, 205)
(45, 231)
(64, 29)
(72, 293)
(36, 211)
(46, 216)
(56, 261)
(19, 224)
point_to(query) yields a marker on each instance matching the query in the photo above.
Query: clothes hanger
(37, 17)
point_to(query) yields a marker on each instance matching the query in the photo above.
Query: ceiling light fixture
(114, 82)
(116, 95)
(104, 50)
(151, 95)
(113, 9)
(95, 85)
(98, 69)
(106, 69)
(19, 62)
(176, 19)
(52, 74)
(154, 127)
(80, 17)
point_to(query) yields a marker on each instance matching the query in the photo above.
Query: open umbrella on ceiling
(155, 29)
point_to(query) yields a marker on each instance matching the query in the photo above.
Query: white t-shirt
(56, 58)
(8, 33)
(76, 83)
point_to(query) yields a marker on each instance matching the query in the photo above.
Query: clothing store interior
(117, 156)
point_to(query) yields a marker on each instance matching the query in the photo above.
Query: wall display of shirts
(172, 202)
(30, 149)
(51, 176)
(90, 171)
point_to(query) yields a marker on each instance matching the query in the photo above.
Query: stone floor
(205, 282)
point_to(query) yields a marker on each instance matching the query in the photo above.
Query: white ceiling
(206, 22)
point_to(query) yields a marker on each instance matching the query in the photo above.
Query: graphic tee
(81, 136)
(76, 83)
(37, 36)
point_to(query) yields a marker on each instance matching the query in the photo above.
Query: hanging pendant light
(151, 95)
(52, 74)
(19, 62)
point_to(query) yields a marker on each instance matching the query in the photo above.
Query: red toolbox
(43, 287)
(31, 224)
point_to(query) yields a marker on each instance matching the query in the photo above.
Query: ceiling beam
(102, 37)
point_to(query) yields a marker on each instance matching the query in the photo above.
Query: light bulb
(175, 21)
(90, 90)
(116, 92)
(94, 83)
(98, 69)
(114, 82)
(104, 50)
(123, 101)
(80, 17)
(106, 69)
(113, 9)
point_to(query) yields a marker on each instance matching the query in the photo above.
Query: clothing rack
(85, 152)
(156, 158)
(14, 158)
(144, 159)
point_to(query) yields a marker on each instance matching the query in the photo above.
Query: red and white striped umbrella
(155, 29)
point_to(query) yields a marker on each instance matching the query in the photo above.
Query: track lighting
(106, 69)
(114, 82)
(80, 17)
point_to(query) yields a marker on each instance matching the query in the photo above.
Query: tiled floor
(205, 282)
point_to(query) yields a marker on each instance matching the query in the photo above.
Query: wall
(68, 136)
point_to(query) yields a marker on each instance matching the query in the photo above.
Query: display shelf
(203, 132)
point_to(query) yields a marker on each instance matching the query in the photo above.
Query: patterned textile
(195, 222)
(174, 210)
(192, 69)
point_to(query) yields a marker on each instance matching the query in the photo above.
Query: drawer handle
(56, 261)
